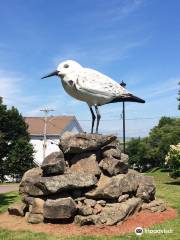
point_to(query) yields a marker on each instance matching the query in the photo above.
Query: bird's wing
(96, 83)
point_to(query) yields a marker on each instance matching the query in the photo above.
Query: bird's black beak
(54, 73)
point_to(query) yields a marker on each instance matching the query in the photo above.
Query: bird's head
(64, 68)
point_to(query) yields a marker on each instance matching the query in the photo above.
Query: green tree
(15, 149)
(19, 158)
(153, 149)
(3, 144)
(162, 136)
(133, 150)
(173, 160)
(178, 97)
(139, 152)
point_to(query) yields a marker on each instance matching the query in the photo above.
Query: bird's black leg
(93, 118)
(98, 118)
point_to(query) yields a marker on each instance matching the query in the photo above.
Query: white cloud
(160, 88)
(127, 8)
(9, 85)
(165, 87)
(13, 92)
(114, 11)
(88, 55)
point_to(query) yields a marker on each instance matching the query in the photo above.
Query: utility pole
(123, 84)
(46, 111)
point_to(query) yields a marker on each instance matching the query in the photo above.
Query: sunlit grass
(8, 198)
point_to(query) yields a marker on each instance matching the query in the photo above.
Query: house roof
(55, 124)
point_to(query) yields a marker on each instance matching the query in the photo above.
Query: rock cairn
(86, 182)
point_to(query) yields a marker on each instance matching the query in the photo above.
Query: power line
(128, 119)
(155, 117)
(113, 119)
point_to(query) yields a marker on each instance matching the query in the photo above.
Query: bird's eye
(66, 65)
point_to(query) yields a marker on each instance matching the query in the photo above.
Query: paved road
(8, 188)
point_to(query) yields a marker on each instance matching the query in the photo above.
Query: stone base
(87, 181)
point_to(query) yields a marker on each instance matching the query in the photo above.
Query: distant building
(56, 126)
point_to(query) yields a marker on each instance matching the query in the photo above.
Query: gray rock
(114, 213)
(85, 210)
(85, 163)
(154, 206)
(37, 206)
(86, 220)
(30, 208)
(67, 181)
(27, 185)
(113, 166)
(123, 198)
(113, 187)
(111, 214)
(63, 208)
(97, 209)
(90, 202)
(30, 187)
(54, 164)
(27, 199)
(111, 152)
(32, 173)
(26, 215)
(124, 158)
(18, 209)
(81, 199)
(131, 183)
(146, 189)
(82, 142)
(78, 204)
(102, 202)
(35, 218)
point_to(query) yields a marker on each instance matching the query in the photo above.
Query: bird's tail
(128, 97)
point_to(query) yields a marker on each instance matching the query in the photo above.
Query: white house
(56, 126)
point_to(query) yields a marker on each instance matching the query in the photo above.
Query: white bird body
(91, 86)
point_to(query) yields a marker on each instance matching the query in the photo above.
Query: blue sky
(134, 40)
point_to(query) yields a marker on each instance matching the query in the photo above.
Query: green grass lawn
(167, 189)
(8, 198)
(8, 183)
